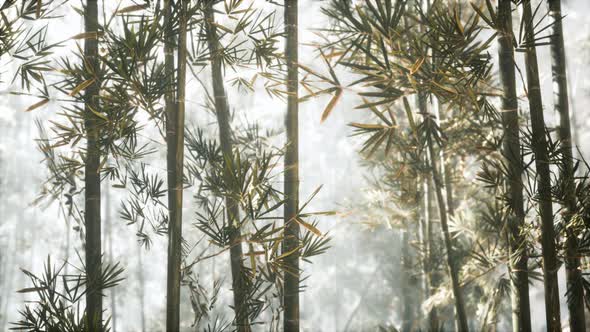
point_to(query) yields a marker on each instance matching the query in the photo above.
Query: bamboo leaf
(416, 66)
(31, 289)
(130, 9)
(331, 105)
(309, 226)
(410, 118)
(366, 125)
(81, 87)
(37, 105)
(100, 115)
(87, 35)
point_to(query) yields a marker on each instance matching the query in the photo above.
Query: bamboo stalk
(540, 149)
(92, 205)
(225, 138)
(291, 242)
(175, 104)
(461, 315)
(575, 303)
(521, 315)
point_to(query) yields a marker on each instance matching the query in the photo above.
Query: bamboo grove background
(373, 254)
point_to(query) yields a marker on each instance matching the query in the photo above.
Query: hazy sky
(328, 155)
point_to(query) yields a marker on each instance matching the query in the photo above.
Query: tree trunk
(225, 138)
(575, 288)
(539, 146)
(521, 313)
(175, 156)
(291, 241)
(91, 174)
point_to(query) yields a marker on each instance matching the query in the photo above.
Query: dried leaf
(87, 35)
(131, 9)
(100, 115)
(416, 66)
(37, 105)
(81, 87)
(309, 226)
(331, 105)
(366, 125)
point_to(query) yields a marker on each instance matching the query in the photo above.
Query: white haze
(345, 281)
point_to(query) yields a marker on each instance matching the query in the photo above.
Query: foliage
(59, 305)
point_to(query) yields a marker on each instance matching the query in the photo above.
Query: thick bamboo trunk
(291, 287)
(575, 287)
(539, 146)
(92, 176)
(225, 138)
(521, 313)
(175, 157)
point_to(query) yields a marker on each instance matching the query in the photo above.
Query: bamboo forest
(294, 165)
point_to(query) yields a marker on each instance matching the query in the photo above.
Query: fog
(354, 286)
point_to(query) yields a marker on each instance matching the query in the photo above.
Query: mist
(370, 276)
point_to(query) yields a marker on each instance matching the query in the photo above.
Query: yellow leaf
(331, 105)
(81, 87)
(366, 125)
(445, 88)
(100, 115)
(334, 54)
(87, 35)
(130, 9)
(288, 253)
(37, 105)
(417, 65)
(310, 227)
(459, 24)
